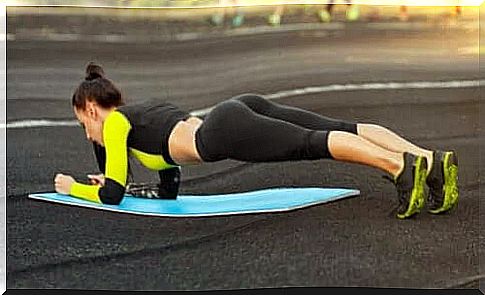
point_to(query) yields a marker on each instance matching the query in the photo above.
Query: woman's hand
(63, 183)
(96, 179)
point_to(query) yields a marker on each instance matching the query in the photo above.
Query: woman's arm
(115, 135)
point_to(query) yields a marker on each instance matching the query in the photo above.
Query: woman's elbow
(111, 200)
(111, 193)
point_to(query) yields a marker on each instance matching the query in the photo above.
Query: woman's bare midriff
(181, 142)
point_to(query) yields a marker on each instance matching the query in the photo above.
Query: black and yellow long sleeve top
(141, 130)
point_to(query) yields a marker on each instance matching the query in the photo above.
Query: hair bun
(94, 71)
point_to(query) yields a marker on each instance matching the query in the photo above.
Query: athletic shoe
(352, 13)
(442, 182)
(238, 20)
(152, 190)
(143, 190)
(324, 16)
(410, 185)
(274, 19)
(217, 20)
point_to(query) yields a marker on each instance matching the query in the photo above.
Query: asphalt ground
(352, 242)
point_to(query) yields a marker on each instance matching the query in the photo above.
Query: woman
(245, 128)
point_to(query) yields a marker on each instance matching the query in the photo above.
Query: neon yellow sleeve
(115, 136)
(85, 191)
(116, 128)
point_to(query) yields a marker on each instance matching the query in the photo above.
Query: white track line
(367, 86)
(286, 93)
(39, 123)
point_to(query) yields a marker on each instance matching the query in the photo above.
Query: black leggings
(252, 129)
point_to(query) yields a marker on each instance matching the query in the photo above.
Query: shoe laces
(143, 190)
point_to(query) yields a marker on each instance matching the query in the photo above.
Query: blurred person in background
(455, 12)
(228, 7)
(274, 19)
(351, 13)
(403, 13)
(324, 15)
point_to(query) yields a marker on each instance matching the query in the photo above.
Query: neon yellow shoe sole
(450, 185)
(417, 200)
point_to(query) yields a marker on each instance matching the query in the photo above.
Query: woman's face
(91, 121)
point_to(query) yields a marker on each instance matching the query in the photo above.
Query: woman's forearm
(85, 192)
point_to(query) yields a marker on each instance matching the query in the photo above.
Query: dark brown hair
(96, 87)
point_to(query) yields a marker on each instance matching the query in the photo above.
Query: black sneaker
(410, 184)
(143, 190)
(442, 182)
(152, 191)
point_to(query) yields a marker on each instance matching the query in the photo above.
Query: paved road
(353, 242)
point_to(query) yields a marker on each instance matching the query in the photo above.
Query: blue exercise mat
(260, 201)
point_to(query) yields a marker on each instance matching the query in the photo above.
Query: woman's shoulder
(117, 118)
(115, 126)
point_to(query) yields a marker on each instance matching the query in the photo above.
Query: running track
(354, 242)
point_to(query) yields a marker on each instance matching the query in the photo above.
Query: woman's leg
(233, 131)
(376, 134)
(389, 140)
(347, 147)
(297, 116)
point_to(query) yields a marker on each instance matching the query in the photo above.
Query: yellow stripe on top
(153, 162)
(116, 128)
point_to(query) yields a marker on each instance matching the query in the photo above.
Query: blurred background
(247, 13)
(170, 22)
